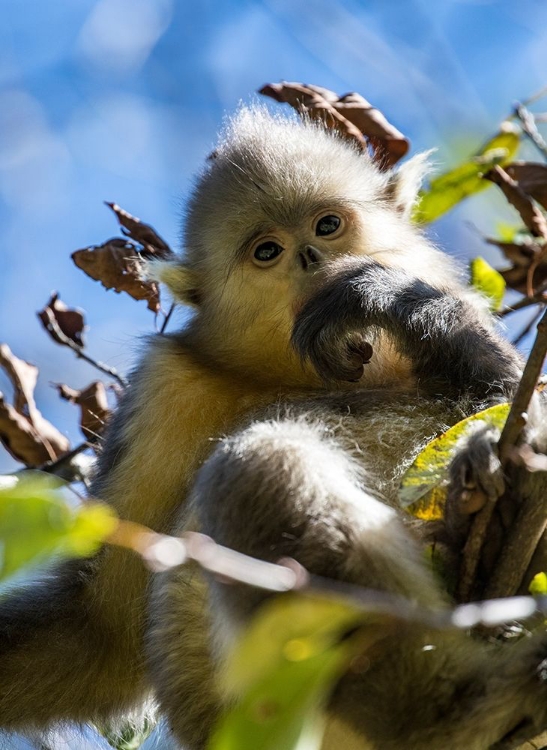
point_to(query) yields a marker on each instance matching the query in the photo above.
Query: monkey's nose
(309, 256)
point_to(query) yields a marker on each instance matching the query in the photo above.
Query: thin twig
(472, 551)
(166, 319)
(162, 552)
(529, 212)
(80, 352)
(51, 467)
(532, 217)
(529, 127)
(541, 94)
(537, 299)
(518, 549)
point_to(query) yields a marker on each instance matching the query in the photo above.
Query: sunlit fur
(75, 649)
(271, 176)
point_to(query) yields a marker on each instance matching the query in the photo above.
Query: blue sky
(120, 100)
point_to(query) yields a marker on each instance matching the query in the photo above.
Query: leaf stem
(80, 352)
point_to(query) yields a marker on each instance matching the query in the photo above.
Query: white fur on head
(405, 182)
(181, 280)
(272, 170)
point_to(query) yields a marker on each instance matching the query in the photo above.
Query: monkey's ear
(181, 280)
(404, 183)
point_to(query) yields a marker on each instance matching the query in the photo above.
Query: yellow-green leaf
(448, 189)
(283, 668)
(128, 736)
(538, 585)
(37, 521)
(487, 281)
(422, 492)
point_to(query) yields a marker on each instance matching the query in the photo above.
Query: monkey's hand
(441, 333)
(336, 355)
(329, 328)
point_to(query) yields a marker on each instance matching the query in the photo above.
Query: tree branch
(528, 529)
(79, 350)
(529, 127)
(531, 215)
(529, 212)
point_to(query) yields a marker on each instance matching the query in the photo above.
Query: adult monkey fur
(297, 249)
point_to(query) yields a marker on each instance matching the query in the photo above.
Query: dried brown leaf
(32, 444)
(117, 265)
(94, 410)
(351, 115)
(520, 254)
(531, 215)
(517, 277)
(23, 376)
(532, 179)
(389, 143)
(153, 245)
(312, 102)
(70, 321)
(534, 220)
(25, 433)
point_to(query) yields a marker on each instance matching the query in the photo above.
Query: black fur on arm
(450, 347)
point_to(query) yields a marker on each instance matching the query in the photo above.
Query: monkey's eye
(267, 251)
(327, 225)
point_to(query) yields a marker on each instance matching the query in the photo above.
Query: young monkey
(299, 257)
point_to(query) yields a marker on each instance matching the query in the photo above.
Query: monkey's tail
(58, 660)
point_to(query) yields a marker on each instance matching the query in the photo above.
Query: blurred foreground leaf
(538, 585)
(283, 669)
(38, 521)
(422, 492)
(448, 189)
(128, 736)
(488, 282)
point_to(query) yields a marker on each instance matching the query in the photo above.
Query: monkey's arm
(301, 497)
(443, 334)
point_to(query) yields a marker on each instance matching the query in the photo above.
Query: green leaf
(488, 282)
(284, 667)
(422, 490)
(129, 736)
(38, 521)
(538, 585)
(448, 189)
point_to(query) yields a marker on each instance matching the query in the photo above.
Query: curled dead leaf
(520, 254)
(94, 410)
(23, 376)
(24, 432)
(31, 444)
(517, 277)
(351, 115)
(118, 265)
(71, 322)
(312, 101)
(531, 215)
(152, 244)
(532, 178)
(389, 144)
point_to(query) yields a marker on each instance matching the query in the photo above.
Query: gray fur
(231, 416)
(294, 485)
